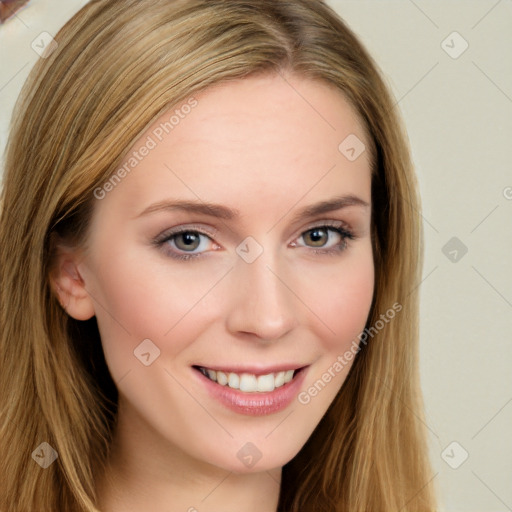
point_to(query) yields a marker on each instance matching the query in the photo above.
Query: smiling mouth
(248, 382)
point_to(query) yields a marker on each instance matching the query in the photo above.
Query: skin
(259, 146)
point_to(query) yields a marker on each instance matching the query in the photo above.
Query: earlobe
(70, 287)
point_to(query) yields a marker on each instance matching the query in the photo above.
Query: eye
(320, 236)
(183, 239)
(187, 243)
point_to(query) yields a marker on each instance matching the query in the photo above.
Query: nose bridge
(262, 302)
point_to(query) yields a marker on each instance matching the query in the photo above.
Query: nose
(263, 302)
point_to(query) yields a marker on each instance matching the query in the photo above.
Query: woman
(274, 365)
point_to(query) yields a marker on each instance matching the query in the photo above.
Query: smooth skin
(268, 147)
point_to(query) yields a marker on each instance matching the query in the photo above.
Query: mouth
(250, 382)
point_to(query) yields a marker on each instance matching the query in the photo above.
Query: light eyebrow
(203, 207)
(223, 212)
(330, 205)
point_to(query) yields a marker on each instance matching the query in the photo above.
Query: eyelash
(338, 227)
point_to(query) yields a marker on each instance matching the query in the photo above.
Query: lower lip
(255, 404)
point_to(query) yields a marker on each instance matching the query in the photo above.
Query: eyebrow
(223, 212)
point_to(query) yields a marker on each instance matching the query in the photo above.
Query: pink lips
(257, 403)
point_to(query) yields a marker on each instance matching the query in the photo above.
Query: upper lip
(253, 369)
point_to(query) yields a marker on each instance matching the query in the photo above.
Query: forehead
(285, 116)
(267, 138)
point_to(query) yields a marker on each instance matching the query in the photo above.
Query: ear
(69, 285)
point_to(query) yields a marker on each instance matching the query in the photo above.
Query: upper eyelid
(212, 233)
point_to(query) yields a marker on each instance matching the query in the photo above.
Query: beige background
(458, 111)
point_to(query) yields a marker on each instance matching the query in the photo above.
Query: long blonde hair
(120, 64)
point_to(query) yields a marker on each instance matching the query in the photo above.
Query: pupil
(317, 235)
(188, 239)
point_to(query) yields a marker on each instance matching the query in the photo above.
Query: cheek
(341, 300)
(162, 302)
(343, 305)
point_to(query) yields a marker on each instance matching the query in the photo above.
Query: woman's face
(255, 286)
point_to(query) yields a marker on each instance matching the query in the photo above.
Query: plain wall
(457, 107)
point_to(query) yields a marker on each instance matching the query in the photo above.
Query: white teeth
(279, 379)
(234, 381)
(248, 382)
(266, 382)
(222, 378)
